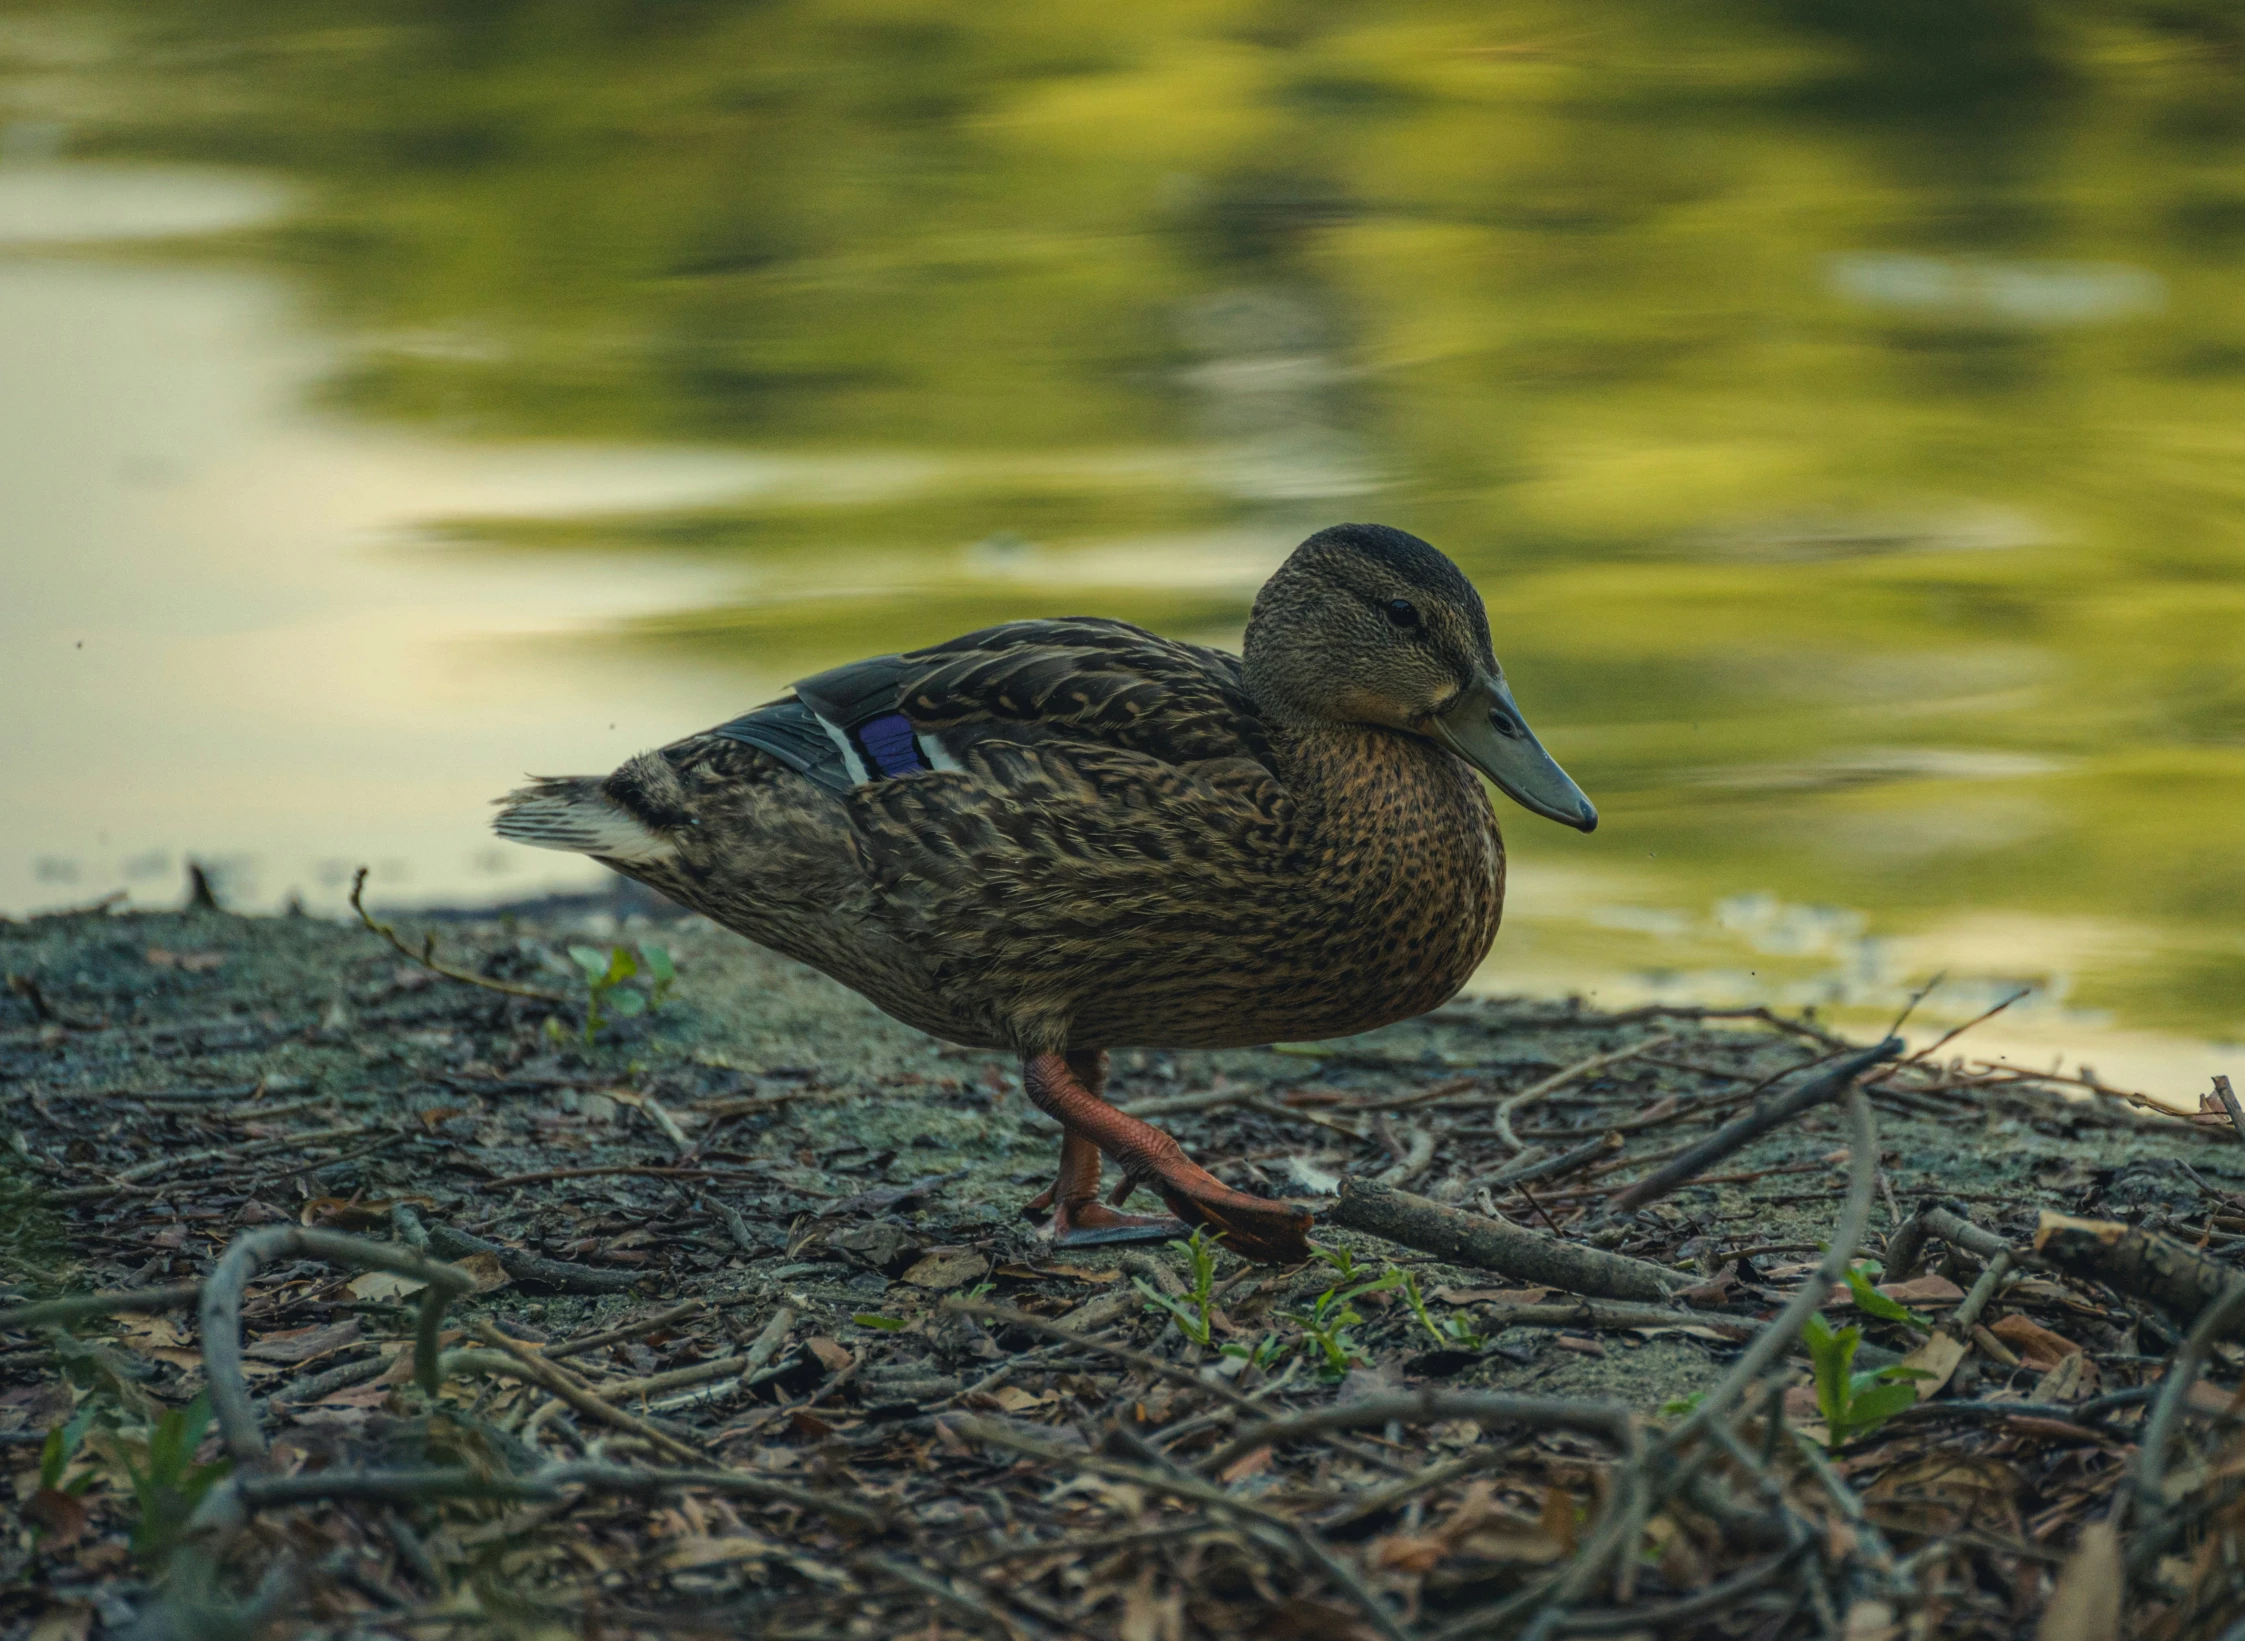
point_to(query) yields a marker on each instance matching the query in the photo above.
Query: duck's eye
(1403, 613)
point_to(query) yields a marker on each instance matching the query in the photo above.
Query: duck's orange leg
(1078, 1217)
(1271, 1233)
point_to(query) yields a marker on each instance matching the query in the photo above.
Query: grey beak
(1484, 727)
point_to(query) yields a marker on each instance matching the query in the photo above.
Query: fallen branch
(420, 1486)
(628, 1330)
(1492, 1245)
(546, 1376)
(2227, 1097)
(2141, 1264)
(1595, 1313)
(222, 1316)
(1554, 1167)
(1611, 1420)
(2219, 1320)
(529, 1268)
(1768, 1017)
(1500, 1121)
(78, 1306)
(1767, 1114)
(426, 956)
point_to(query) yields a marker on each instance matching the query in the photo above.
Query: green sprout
(168, 1482)
(1871, 1302)
(1327, 1322)
(1265, 1354)
(604, 975)
(662, 974)
(55, 1454)
(1454, 1331)
(1853, 1404)
(1194, 1314)
(886, 1324)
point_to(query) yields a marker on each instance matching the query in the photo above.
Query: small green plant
(603, 974)
(1853, 1404)
(1326, 1323)
(886, 1324)
(662, 974)
(1265, 1354)
(167, 1481)
(1194, 1314)
(55, 1454)
(1453, 1333)
(1871, 1302)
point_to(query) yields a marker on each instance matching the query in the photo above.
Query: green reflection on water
(1843, 407)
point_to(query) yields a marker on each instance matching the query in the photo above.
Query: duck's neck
(1390, 802)
(1396, 845)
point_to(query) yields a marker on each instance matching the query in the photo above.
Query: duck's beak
(1484, 727)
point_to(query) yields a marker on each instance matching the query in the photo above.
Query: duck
(1059, 838)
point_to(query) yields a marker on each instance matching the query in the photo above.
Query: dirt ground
(775, 1200)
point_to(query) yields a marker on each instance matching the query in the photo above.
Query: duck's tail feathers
(625, 816)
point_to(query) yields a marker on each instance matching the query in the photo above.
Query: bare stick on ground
(2219, 1320)
(426, 956)
(1827, 1084)
(77, 1307)
(1491, 1245)
(2227, 1096)
(2141, 1264)
(222, 1316)
(1501, 1118)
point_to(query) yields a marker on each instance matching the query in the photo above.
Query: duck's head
(1368, 625)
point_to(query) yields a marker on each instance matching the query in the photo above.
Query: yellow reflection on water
(1843, 410)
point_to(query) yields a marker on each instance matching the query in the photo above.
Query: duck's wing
(1081, 685)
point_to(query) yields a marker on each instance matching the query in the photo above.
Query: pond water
(1844, 416)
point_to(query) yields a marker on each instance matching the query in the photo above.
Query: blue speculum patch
(890, 744)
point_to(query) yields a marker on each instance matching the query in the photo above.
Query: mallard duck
(1063, 837)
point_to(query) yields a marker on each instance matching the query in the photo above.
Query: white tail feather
(572, 813)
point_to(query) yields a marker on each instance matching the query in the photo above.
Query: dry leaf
(485, 1271)
(303, 1344)
(1923, 1290)
(149, 1334)
(1527, 1546)
(698, 1550)
(1246, 1465)
(832, 1354)
(1403, 1552)
(381, 1285)
(60, 1517)
(2072, 1379)
(2035, 1344)
(1937, 1357)
(952, 1269)
(1013, 1399)
(2086, 1604)
(345, 1214)
(1869, 1621)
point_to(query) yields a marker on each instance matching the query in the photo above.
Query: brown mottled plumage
(1127, 840)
